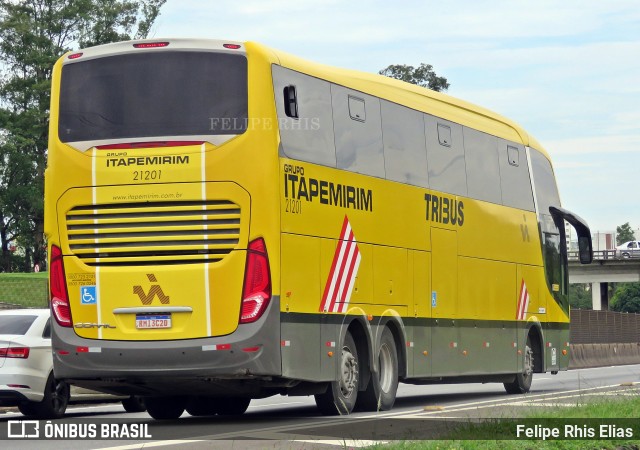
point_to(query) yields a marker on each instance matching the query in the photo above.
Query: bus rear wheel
(231, 406)
(522, 382)
(134, 404)
(341, 394)
(201, 406)
(165, 408)
(380, 394)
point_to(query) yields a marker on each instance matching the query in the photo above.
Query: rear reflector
(58, 286)
(14, 352)
(206, 348)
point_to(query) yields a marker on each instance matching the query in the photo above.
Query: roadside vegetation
(487, 435)
(24, 290)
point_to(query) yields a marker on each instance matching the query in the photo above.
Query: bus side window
(305, 119)
(358, 142)
(514, 175)
(445, 155)
(405, 151)
(483, 167)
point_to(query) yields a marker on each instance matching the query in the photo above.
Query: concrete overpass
(604, 269)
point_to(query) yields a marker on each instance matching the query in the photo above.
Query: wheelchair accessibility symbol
(88, 295)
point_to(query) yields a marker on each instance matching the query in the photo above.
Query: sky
(567, 71)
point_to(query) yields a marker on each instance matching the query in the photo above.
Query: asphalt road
(294, 422)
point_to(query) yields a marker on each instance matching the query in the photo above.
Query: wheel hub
(349, 378)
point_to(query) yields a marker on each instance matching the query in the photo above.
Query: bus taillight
(59, 295)
(257, 282)
(151, 45)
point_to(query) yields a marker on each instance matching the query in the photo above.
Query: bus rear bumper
(250, 354)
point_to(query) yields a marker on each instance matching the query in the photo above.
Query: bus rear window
(153, 94)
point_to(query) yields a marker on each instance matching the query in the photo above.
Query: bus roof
(407, 94)
(410, 95)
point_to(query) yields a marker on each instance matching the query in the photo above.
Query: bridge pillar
(600, 296)
(596, 297)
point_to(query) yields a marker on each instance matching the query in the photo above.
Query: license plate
(153, 321)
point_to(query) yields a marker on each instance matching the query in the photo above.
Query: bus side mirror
(585, 252)
(585, 245)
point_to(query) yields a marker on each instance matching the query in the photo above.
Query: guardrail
(603, 338)
(600, 255)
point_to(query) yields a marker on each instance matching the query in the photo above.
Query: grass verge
(26, 290)
(485, 435)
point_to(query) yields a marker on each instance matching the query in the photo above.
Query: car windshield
(15, 324)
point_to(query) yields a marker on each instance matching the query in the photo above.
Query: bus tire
(134, 404)
(380, 394)
(165, 408)
(341, 394)
(231, 406)
(201, 406)
(522, 382)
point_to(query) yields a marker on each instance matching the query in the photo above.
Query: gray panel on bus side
(306, 342)
(445, 155)
(514, 176)
(310, 136)
(405, 151)
(358, 139)
(483, 167)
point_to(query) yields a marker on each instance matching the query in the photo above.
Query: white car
(629, 249)
(26, 368)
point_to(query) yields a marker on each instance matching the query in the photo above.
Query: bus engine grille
(150, 233)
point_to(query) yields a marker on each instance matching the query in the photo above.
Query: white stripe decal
(352, 281)
(336, 274)
(206, 237)
(94, 199)
(523, 302)
(343, 272)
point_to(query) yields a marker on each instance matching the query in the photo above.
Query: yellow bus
(229, 222)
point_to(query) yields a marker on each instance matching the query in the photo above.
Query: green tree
(580, 297)
(626, 298)
(33, 35)
(624, 233)
(422, 75)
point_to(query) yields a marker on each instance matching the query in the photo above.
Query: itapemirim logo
(155, 290)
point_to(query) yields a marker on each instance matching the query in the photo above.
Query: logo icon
(88, 295)
(23, 429)
(154, 290)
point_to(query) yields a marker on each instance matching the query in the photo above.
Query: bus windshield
(153, 94)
